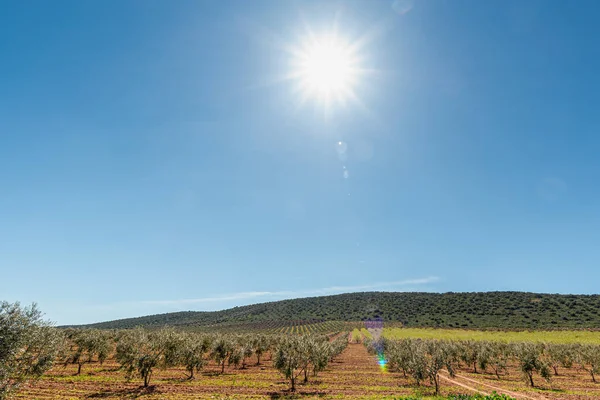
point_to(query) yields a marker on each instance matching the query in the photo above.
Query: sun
(326, 68)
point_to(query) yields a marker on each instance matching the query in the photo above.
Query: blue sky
(153, 158)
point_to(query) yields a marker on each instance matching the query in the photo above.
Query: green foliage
(28, 345)
(296, 355)
(499, 356)
(400, 355)
(87, 344)
(424, 359)
(421, 359)
(192, 352)
(288, 358)
(141, 351)
(505, 310)
(530, 359)
(260, 344)
(589, 358)
(560, 355)
(222, 349)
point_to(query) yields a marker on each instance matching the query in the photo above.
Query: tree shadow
(107, 369)
(288, 394)
(184, 378)
(124, 393)
(214, 373)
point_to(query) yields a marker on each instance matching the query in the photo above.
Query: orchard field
(355, 364)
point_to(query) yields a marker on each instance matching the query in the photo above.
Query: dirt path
(462, 385)
(494, 388)
(356, 373)
(501, 390)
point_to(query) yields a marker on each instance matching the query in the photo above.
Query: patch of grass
(504, 336)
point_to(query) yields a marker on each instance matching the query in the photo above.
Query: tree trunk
(223, 366)
(593, 377)
(437, 384)
(530, 375)
(258, 359)
(191, 373)
(146, 380)
(475, 366)
(555, 370)
(293, 383)
(305, 374)
(79, 369)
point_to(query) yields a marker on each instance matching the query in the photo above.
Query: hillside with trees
(479, 310)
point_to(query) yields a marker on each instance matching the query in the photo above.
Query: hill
(504, 310)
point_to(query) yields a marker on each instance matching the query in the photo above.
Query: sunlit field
(559, 336)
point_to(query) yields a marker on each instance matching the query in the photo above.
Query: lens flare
(382, 362)
(375, 328)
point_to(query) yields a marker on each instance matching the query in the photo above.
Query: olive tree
(560, 355)
(104, 345)
(309, 345)
(418, 361)
(221, 351)
(589, 358)
(288, 359)
(400, 355)
(139, 351)
(261, 345)
(474, 353)
(28, 345)
(235, 356)
(338, 345)
(247, 350)
(320, 355)
(438, 355)
(423, 359)
(499, 356)
(192, 352)
(530, 359)
(86, 344)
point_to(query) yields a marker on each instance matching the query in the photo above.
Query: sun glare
(326, 69)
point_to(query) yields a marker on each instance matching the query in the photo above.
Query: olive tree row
(422, 359)
(141, 352)
(299, 355)
(237, 349)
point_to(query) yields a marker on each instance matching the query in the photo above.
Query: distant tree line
(480, 310)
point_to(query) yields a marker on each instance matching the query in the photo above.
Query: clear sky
(160, 156)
